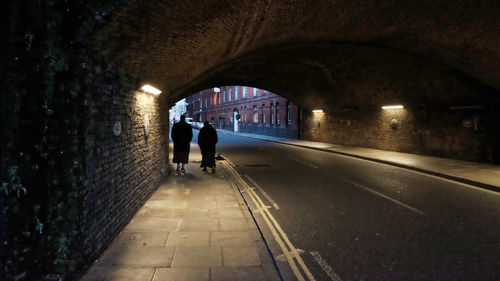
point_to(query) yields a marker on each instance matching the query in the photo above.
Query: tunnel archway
(350, 69)
(236, 29)
(77, 69)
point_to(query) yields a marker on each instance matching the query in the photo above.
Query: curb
(425, 171)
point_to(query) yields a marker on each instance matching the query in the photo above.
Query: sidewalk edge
(259, 226)
(425, 171)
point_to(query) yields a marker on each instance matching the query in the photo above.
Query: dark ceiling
(303, 49)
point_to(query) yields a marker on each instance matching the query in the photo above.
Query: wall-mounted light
(317, 110)
(216, 89)
(466, 107)
(392, 106)
(150, 89)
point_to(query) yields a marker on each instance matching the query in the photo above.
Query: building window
(272, 114)
(244, 92)
(236, 93)
(277, 114)
(254, 92)
(289, 113)
(230, 89)
(224, 96)
(263, 114)
(255, 114)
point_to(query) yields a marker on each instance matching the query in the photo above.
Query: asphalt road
(371, 221)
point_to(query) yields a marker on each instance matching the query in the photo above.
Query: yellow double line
(276, 230)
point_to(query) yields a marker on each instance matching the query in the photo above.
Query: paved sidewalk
(479, 174)
(195, 227)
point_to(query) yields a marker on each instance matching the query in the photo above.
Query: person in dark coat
(182, 134)
(207, 140)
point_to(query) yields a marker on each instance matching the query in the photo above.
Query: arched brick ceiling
(183, 46)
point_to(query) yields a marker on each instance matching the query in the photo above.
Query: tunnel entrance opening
(245, 109)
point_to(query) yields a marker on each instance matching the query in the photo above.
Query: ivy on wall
(42, 142)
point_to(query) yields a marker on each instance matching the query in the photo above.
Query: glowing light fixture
(216, 89)
(150, 89)
(318, 110)
(392, 106)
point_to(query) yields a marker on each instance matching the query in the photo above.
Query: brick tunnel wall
(436, 133)
(351, 82)
(445, 114)
(73, 184)
(127, 154)
(324, 50)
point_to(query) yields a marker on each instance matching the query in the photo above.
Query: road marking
(303, 162)
(245, 190)
(477, 188)
(384, 196)
(230, 163)
(259, 210)
(325, 266)
(263, 192)
(273, 225)
(282, 257)
(456, 182)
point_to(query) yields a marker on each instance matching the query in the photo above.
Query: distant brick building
(245, 109)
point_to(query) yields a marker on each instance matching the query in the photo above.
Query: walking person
(182, 134)
(207, 140)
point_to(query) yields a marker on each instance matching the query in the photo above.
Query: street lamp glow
(150, 89)
(318, 110)
(216, 89)
(392, 106)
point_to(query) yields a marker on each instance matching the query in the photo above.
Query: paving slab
(239, 238)
(165, 204)
(196, 226)
(181, 238)
(144, 239)
(200, 204)
(251, 273)
(221, 197)
(197, 257)
(241, 256)
(227, 204)
(234, 224)
(191, 213)
(149, 223)
(226, 213)
(201, 224)
(118, 274)
(159, 213)
(182, 274)
(138, 256)
(224, 189)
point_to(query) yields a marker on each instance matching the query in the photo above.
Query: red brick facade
(259, 111)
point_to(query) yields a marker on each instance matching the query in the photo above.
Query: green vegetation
(48, 73)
